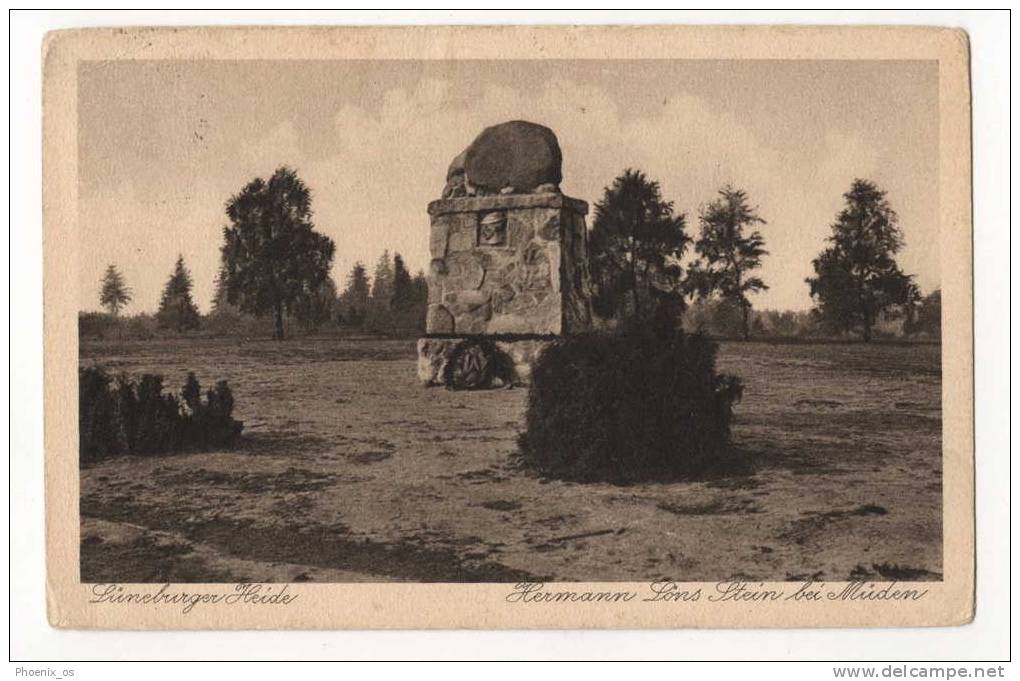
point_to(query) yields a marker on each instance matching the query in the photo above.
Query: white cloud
(372, 193)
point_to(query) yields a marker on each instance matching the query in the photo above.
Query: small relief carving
(492, 229)
(438, 267)
(534, 271)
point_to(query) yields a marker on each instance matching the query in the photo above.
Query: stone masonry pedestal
(507, 271)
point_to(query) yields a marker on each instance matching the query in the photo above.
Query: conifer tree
(637, 241)
(114, 293)
(380, 317)
(856, 276)
(355, 299)
(402, 297)
(177, 310)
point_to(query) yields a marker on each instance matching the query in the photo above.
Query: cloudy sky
(163, 145)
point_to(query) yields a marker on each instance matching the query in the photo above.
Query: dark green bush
(100, 432)
(210, 423)
(634, 406)
(118, 416)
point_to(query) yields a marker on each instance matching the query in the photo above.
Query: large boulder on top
(514, 157)
(455, 178)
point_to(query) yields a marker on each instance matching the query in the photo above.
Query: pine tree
(220, 302)
(407, 305)
(856, 277)
(354, 300)
(402, 297)
(176, 308)
(114, 293)
(382, 280)
(637, 241)
(730, 253)
(380, 317)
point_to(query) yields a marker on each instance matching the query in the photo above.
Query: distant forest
(275, 279)
(357, 311)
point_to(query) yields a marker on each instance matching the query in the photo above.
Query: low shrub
(118, 416)
(233, 323)
(96, 325)
(100, 432)
(634, 406)
(103, 326)
(211, 423)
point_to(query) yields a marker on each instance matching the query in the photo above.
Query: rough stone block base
(514, 356)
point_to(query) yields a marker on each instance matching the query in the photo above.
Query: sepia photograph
(509, 321)
(508, 327)
(488, 336)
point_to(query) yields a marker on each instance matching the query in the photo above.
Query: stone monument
(509, 269)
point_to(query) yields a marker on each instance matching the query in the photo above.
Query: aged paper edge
(484, 606)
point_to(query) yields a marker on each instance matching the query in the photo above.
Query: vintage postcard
(508, 327)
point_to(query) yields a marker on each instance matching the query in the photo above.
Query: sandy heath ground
(349, 470)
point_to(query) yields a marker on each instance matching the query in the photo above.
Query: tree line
(394, 303)
(646, 267)
(177, 309)
(274, 264)
(639, 245)
(391, 302)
